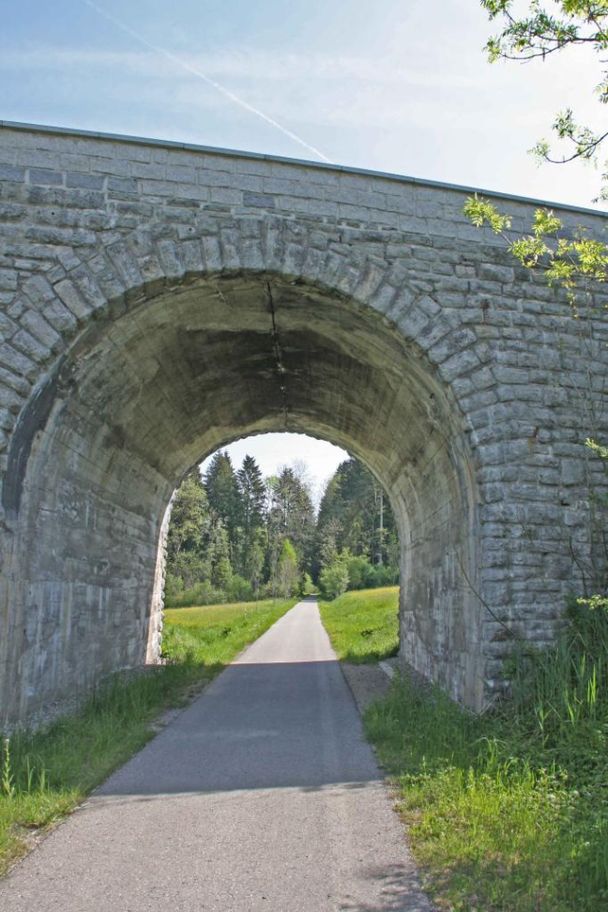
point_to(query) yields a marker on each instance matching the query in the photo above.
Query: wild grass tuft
(45, 774)
(508, 812)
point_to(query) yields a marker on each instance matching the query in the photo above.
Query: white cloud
(339, 90)
(236, 63)
(273, 451)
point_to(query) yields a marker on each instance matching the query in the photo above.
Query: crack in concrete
(276, 348)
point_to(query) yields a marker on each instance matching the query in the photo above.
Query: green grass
(45, 775)
(363, 626)
(214, 635)
(508, 812)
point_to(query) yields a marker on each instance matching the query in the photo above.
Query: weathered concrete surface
(157, 301)
(262, 795)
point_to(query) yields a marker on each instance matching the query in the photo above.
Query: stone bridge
(158, 300)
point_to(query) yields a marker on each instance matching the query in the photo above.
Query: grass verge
(508, 812)
(44, 775)
(363, 625)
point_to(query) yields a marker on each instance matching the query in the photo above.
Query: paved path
(261, 795)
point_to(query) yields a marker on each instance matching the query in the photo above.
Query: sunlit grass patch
(214, 635)
(496, 823)
(363, 625)
(506, 811)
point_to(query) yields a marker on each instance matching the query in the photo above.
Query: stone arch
(96, 229)
(190, 344)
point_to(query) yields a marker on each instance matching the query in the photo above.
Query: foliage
(44, 775)
(234, 536)
(363, 626)
(191, 516)
(237, 589)
(252, 518)
(382, 576)
(567, 261)
(359, 570)
(252, 495)
(597, 448)
(347, 571)
(287, 575)
(223, 492)
(363, 575)
(203, 593)
(333, 579)
(254, 551)
(354, 514)
(355, 527)
(546, 29)
(291, 516)
(198, 547)
(509, 810)
(307, 587)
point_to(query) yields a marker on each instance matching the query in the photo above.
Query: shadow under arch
(142, 394)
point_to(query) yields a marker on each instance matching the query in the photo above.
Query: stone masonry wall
(157, 301)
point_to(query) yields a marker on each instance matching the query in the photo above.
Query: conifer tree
(252, 507)
(252, 495)
(223, 492)
(355, 518)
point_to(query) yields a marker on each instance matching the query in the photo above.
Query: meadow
(363, 626)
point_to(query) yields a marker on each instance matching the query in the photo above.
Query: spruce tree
(223, 491)
(252, 506)
(355, 517)
(252, 495)
(291, 515)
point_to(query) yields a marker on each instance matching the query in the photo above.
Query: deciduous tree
(542, 29)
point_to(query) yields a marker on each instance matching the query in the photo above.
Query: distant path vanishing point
(261, 795)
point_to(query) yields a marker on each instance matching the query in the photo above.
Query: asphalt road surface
(261, 795)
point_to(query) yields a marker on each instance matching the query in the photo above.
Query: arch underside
(140, 398)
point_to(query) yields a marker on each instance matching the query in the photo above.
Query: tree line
(235, 535)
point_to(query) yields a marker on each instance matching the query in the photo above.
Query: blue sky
(398, 86)
(395, 86)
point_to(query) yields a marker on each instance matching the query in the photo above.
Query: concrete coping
(282, 159)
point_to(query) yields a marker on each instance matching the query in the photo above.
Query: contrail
(199, 73)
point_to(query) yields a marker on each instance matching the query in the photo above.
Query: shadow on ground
(257, 726)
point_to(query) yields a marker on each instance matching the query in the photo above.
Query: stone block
(12, 173)
(46, 177)
(258, 200)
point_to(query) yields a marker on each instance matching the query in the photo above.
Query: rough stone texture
(158, 301)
